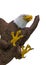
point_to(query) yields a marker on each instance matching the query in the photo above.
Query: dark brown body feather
(7, 51)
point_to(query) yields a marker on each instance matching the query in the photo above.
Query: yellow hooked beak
(28, 17)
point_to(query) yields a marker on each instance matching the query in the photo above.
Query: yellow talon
(19, 31)
(16, 37)
(25, 50)
(14, 44)
(12, 33)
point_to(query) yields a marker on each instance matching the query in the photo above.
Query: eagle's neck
(20, 23)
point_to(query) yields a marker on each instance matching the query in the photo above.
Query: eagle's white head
(22, 20)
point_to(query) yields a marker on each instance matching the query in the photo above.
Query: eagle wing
(27, 31)
(3, 25)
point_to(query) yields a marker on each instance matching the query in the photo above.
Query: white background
(10, 9)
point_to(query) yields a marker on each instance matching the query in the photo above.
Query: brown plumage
(3, 25)
(7, 51)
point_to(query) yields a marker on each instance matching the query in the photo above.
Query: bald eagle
(20, 24)
(8, 51)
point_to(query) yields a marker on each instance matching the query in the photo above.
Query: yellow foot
(25, 50)
(16, 37)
